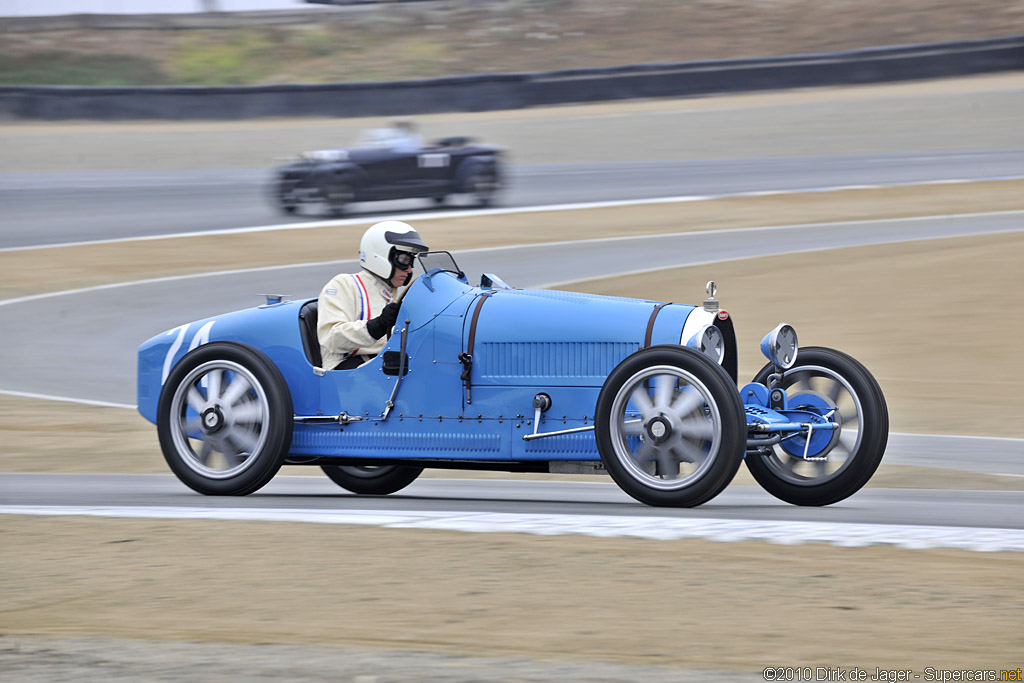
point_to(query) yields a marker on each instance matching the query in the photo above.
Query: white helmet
(381, 240)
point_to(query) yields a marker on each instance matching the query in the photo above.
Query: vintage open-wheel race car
(492, 377)
(452, 168)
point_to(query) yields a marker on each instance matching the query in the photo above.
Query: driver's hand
(379, 326)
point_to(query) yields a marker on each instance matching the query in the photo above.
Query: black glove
(379, 326)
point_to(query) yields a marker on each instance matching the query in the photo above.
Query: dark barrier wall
(515, 91)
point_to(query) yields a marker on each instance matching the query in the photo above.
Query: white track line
(67, 399)
(169, 278)
(312, 225)
(629, 238)
(605, 526)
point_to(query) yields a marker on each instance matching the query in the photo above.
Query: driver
(356, 310)
(406, 137)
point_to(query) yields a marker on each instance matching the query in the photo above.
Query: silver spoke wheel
(828, 386)
(669, 426)
(219, 419)
(825, 381)
(665, 427)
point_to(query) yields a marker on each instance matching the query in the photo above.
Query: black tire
(480, 181)
(855, 449)
(338, 192)
(372, 480)
(285, 201)
(694, 421)
(225, 419)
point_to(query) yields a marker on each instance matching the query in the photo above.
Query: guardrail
(515, 90)
(187, 20)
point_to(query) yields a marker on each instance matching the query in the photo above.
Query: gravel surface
(46, 660)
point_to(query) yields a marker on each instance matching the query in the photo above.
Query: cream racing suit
(344, 306)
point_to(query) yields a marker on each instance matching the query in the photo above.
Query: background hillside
(395, 41)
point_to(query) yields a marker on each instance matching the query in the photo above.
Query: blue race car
(491, 377)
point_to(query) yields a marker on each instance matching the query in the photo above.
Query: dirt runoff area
(560, 607)
(208, 600)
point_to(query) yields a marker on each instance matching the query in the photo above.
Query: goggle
(403, 259)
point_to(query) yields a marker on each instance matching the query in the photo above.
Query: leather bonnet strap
(650, 325)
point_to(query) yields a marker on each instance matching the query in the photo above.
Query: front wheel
(285, 195)
(225, 419)
(670, 427)
(826, 379)
(373, 480)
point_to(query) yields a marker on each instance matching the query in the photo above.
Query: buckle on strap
(466, 357)
(467, 366)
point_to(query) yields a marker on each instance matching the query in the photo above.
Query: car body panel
(270, 328)
(562, 344)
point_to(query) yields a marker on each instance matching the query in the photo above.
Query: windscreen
(431, 260)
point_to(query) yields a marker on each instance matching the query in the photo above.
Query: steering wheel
(400, 297)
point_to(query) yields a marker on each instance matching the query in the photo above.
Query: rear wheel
(375, 480)
(225, 419)
(670, 427)
(480, 182)
(825, 379)
(338, 193)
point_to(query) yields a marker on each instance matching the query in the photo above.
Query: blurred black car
(383, 166)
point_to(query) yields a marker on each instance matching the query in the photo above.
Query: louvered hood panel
(546, 337)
